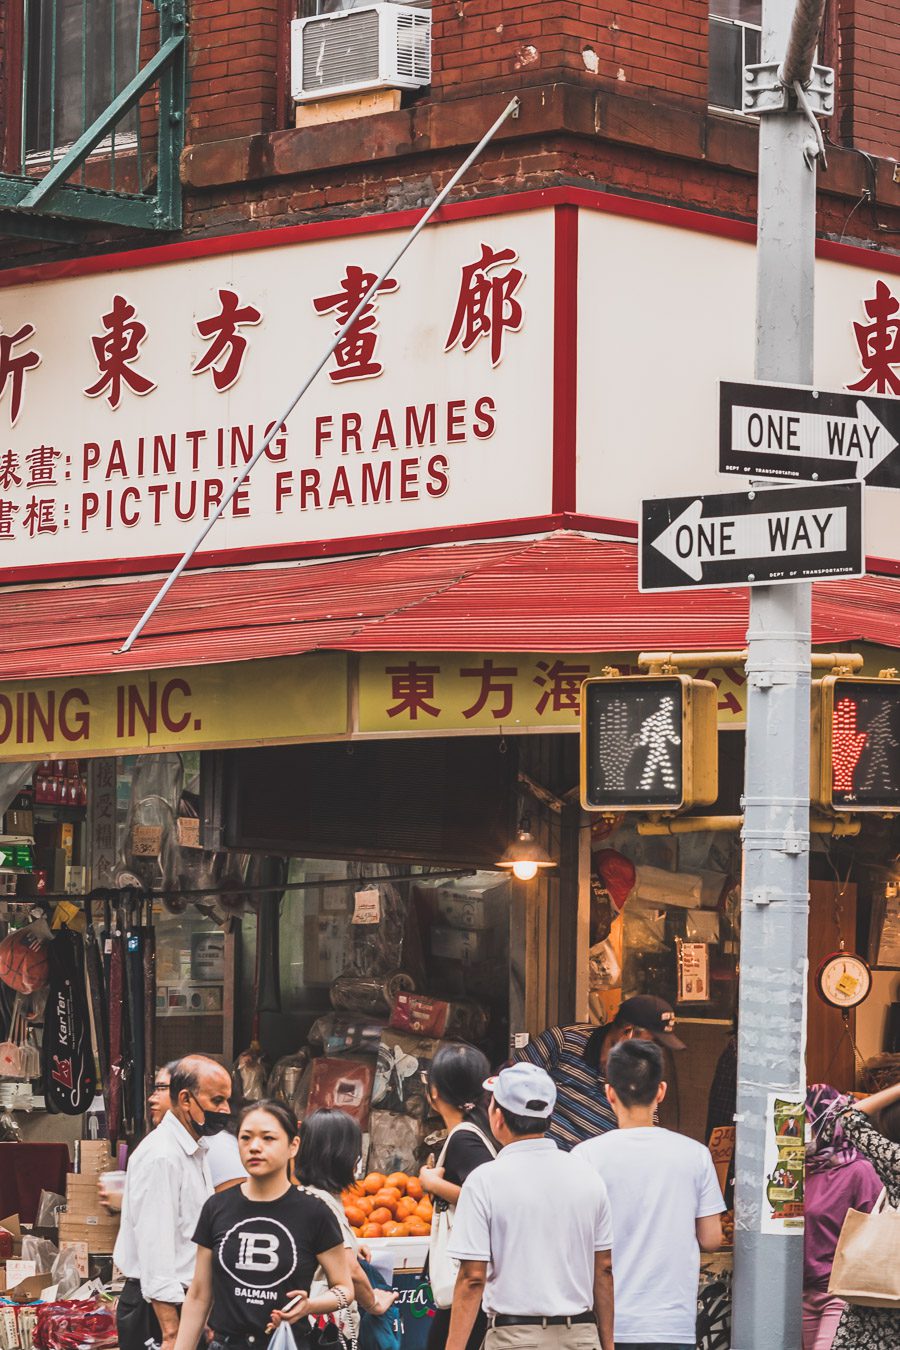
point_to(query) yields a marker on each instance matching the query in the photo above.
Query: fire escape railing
(105, 176)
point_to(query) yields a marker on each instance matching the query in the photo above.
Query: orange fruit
(366, 1204)
(372, 1230)
(425, 1210)
(357, 1232)
(380, 1216)
(373, 1182)
(391, 1191)
(386, 1200)
(398, 1179)
(351, 1194)
(395, 1230)
(414, 1188)
(417, 1227)
(405, 1207)
(355, 1216)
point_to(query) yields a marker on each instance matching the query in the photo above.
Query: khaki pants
(581, 1336)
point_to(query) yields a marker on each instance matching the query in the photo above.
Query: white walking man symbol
(659, 732)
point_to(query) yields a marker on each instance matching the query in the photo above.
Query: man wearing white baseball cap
(532, 1233)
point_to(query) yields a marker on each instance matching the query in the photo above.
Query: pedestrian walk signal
(856, 744)
(648, 743)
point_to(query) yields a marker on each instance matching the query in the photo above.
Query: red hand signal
(847, 745)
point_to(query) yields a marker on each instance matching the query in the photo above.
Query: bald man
(166, 1187)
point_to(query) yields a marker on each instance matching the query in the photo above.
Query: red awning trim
(565, 592)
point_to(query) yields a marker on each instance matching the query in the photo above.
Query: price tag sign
(367, 906)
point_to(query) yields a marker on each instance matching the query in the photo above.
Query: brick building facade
(614, 99)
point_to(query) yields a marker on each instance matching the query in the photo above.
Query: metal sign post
(768, 1272)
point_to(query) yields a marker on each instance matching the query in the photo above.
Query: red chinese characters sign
(433, 692)
(123, 427)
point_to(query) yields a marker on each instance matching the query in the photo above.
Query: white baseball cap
(525, 1090)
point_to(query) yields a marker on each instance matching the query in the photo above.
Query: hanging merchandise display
(69, 1076)
(99, 1007)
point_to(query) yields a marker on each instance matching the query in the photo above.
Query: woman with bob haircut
(330, 1151)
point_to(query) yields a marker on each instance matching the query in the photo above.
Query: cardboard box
(99, 1231)
(19, 822)
(461, 909)
(94, 1156)
(468, 945)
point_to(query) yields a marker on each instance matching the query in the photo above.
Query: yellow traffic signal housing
(855, 744)
(648, 743)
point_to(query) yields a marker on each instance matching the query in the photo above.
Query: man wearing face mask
(166, 1186)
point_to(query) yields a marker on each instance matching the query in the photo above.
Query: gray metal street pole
(775, 897)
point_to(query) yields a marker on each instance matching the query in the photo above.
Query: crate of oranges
(392, 1206)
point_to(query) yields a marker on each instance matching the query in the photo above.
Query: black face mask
(214, 1122)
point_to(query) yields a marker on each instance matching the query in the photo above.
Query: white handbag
(442, 1267)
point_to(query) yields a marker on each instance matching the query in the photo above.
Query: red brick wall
(646, 44)
(868, 60)
(233, 77)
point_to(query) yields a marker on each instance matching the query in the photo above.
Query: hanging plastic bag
(282, 1338)
(48, 1210)
(64, 1274)
(41, 1252)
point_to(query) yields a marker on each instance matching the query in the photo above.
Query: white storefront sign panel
(130, 399)
(673, 315)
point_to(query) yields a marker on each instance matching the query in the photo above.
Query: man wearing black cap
(575, 1058)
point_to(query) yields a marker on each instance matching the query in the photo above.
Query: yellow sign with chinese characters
(433, 692)
(247, 703)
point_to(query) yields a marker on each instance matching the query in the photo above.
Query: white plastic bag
(282, 1338)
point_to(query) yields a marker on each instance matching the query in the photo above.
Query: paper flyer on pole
(782, 1208)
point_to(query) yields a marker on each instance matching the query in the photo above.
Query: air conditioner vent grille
(338, 53)
(379, 46)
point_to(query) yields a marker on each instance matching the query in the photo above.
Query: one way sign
(752, 538)
(789, 431)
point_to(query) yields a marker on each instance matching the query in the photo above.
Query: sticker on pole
(752, 538)
(790, 431)
(785, 1157)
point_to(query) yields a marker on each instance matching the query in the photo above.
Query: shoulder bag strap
(474, 1129)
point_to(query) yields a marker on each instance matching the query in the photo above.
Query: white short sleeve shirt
(536, 1216)
(659, 1183)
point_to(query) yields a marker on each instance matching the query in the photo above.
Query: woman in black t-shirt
(259, 1245)
(456, 1091)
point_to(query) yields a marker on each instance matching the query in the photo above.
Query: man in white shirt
(666, 1205)
(532, 1233)
(166, 1186)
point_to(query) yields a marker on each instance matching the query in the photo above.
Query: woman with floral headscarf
(838, 1178)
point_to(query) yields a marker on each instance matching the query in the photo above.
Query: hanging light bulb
(525, 856)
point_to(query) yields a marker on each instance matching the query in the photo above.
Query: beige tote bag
(866, 1266)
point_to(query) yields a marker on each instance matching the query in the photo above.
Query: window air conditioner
(382, 46)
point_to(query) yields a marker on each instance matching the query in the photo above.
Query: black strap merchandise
(69, 1075)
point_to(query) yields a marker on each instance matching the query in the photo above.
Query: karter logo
(258, 1253)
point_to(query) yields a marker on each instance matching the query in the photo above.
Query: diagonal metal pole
(768, 1265)
(511, 110)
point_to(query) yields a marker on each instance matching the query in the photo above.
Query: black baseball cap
(651, 1014)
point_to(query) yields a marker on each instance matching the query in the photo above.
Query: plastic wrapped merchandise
(376, 946)
(395, 1142)
(398, 1077)
(336, 1033)
(64, 1273)
(342, 1083)
(41, 1252)
(285, 1078)
(252, 1070)
(49, 1206)
(368, 995)
(84, 1325)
